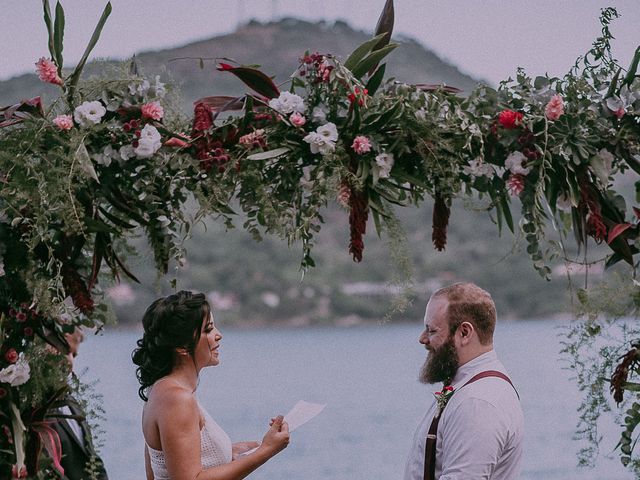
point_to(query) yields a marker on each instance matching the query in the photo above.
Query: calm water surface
(367, 376)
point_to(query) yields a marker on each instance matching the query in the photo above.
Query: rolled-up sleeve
(475, 432)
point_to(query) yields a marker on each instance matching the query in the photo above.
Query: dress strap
(432, 435)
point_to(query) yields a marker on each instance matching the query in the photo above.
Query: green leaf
(75, 76)
(372, 59)
(385, 25)
(633, 68)
(82, 157)
(360, 52)
(278, 152)
(376, 79)
(49, 23)
(58, 36)
(507, 212)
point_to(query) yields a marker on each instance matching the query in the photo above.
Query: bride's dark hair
(169, 323)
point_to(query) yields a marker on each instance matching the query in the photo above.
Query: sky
(487, 38)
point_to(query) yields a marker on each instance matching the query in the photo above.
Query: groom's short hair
(466, 302)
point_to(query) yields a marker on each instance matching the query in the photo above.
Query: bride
(182, 441)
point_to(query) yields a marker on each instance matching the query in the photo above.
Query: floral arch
(111, 156)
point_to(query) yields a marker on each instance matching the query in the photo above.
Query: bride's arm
(179, 427)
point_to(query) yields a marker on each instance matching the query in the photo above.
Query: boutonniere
(443, 397)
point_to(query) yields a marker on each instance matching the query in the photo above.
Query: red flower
(21, 317)
(19, 474)
(510, 119)
(28, 332)
(448, 389)
(11, 355)
(515, 184)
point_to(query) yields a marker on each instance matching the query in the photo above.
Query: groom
(474, 428)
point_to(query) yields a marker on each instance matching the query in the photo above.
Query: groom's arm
(473, 438)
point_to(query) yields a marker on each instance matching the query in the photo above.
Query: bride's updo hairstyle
(169, 323)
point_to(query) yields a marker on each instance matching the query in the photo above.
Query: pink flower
(11, 355)
(21, 317)
(515, 184)
(47, 71)
(152, 111)
(63, 122)
(255, 139)
(361, 144)
(619, 112)
(297, 119)
(555, 108)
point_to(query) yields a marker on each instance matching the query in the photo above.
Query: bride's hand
(239, 448)
(277, 438)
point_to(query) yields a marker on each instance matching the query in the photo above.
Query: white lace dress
(215, 449)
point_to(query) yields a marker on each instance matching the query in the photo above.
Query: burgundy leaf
(254, 79)
(616, 230)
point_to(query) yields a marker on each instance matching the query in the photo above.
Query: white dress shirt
(480, 433)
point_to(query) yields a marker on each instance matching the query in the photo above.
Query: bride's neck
(186, 374)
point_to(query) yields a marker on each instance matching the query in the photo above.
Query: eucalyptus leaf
(277, 152)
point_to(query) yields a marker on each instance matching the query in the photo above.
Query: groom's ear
(466, 332)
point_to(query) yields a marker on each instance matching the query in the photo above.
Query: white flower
(601, 164)
(323, 140)
(150, 133)
(149, 142)
(319, 114)
(287, 103)
(158, 90)
(107, 155)
(477, 168)
(319, 144)
(514, 163)
(126, 152)
(384, 163)
(139, 87)
(16, 374)
(89, 113)
(329, 131)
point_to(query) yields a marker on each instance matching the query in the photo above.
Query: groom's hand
(239, 448)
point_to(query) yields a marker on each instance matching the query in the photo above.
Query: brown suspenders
(430, 449)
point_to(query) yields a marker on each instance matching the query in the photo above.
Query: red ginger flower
(440, 222)
(359, 204)
(510, 119)
(48, 71)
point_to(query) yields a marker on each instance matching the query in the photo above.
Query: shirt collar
(486, 361)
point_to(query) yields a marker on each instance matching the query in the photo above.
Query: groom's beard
(441, 365)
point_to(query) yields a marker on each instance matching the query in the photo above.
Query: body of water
(367, 376)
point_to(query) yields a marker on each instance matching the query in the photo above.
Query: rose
(16, 374)
(89, 113)
(297, 119)
(11, 355)
(361, 144)
(152, 111)
(63, 122)
(555, 108)
(510, 119)
(443, 397)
